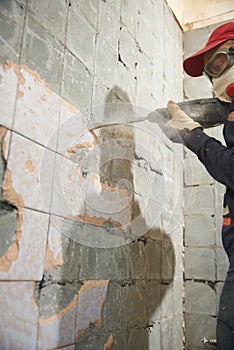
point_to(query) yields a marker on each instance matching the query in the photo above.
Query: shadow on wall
(137, 275)
(141, 272)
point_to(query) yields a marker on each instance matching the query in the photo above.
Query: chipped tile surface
(19, 316)
(92, 296)
(54, 244)
(31, 168)
(6, 144)
(58, 330)
(73, 130)
(70, 305)
(31, 244)
(69, 189)
(8, 91)
(103, 204)
(74, 183)
(37, 110)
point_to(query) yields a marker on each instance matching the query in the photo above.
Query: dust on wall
(96, 219)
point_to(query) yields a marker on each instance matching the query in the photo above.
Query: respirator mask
(220, 70)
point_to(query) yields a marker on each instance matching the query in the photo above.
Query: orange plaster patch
(21, 81)
(13, 197)
(51, 261)
(69, 106)
(9, 193)
(87, 284)
(92, 291)
(94, 220)
(12, 252)
(95, 137)
(80, 145)
(33, 301)
(3, 132)
(29, 166)
(19, 94)
(10, 256)
(62, 312)
(121, 192)
(43, 98)
(108, 344)
(80, 334)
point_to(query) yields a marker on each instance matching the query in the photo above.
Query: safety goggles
(222, 59)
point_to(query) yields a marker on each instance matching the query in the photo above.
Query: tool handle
(209, 112)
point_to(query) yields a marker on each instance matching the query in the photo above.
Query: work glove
(179, 119)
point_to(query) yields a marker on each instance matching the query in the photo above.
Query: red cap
(194, 65)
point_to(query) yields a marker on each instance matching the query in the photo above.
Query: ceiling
(200, 13)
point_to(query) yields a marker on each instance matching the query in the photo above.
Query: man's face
(220, 70)
(207, 56)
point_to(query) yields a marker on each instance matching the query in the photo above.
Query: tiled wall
(91, 220)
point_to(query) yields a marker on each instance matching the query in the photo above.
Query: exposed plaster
(13, 198)
(19, 69)
(61, 313)
(92, 291)
(29, 166)
(33, 301)
(52, 260)
(94, 220)
(3, 132)
(108, 344)
(79, 145)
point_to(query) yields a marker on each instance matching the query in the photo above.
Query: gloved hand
(179, 119)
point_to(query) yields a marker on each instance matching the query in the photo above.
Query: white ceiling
(200, 13)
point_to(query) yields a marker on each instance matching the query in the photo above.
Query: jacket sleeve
(218, 159)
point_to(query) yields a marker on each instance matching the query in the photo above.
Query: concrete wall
(205, 260)
(91, 221)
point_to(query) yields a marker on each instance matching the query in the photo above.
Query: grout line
(23, 31)
(94, 63)
(59, 117)
(17, 87)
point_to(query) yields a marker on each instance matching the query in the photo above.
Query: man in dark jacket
(216, 60)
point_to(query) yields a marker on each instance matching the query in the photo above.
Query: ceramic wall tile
(54, 243)
(37, 110)
(92, 296)
(103, 203)
(69, 189)
(58, 330)
(27, 253)
(19, 315)
(73, 130)
(30, 173)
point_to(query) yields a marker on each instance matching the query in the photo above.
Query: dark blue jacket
(219, 162)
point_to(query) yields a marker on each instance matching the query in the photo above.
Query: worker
(216, 61)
